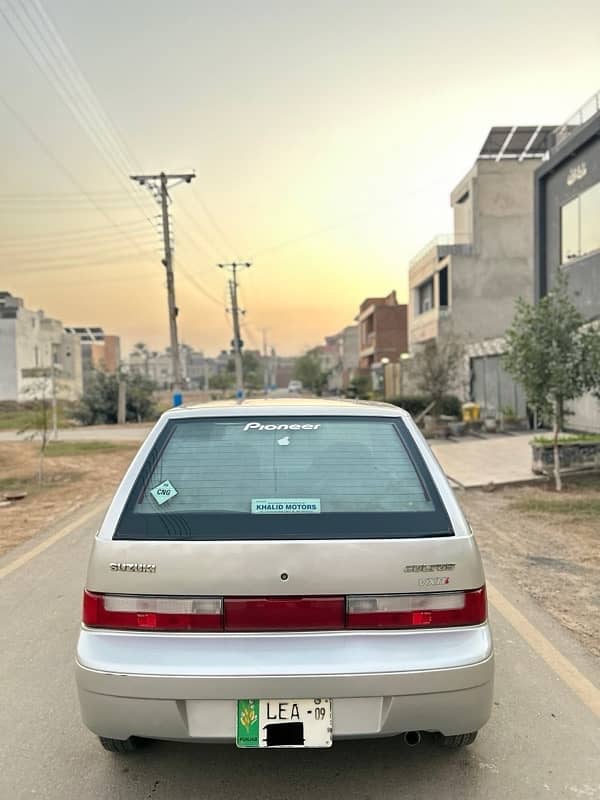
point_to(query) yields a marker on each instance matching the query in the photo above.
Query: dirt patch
(74, 475)
(550, 544)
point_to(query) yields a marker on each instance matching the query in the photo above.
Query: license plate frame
(305, 723)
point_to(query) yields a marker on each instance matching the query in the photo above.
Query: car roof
(287, 407)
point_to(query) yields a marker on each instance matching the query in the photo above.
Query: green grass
(574, 506)
(580, 497)
(568, 438)
(86, 448)
(17, 419)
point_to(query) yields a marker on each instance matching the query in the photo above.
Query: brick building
(383, 325)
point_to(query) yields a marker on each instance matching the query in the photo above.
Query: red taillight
(127, 612)
(399, 611)
(284, 613)
(428, 610)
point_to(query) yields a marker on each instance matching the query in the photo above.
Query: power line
(59, 267)
(60, 166)
(86, 234)
(228, 242)
(65, 85)
(130, 277)
(69, 81)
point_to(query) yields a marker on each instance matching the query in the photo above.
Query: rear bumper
(382, 683)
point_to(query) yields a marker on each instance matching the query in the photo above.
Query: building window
(443, 283)
(580, 225)
(425, 296)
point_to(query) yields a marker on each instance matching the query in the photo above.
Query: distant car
(294, 387)
(284, 574)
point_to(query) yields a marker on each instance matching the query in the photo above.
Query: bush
(416, 404)
(99, 404)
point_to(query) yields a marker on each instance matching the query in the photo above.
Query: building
(383, 331)
(37, 357)
(567, 225)
(284, 371)
(467, 282)
(196, 368)
(99, 351)
(339, 358)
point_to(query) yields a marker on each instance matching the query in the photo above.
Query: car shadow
(366, 769)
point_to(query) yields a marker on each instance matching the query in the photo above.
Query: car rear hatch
(297, 523)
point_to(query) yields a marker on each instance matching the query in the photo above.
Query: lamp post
(384, 362)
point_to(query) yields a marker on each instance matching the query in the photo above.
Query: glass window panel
(569, 231)
(590, 220)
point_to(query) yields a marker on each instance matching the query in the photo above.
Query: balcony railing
(579, 118)
(445, 240)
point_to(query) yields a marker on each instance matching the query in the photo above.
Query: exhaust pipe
(412, 738)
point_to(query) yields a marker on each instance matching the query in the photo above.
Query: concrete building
(467, 282)
(383, 331)
(99, 351)
(340, 357)
(37, 357)
(567, 225)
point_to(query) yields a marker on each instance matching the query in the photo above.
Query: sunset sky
(326, 136)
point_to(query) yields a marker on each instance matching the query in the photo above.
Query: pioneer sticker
(284, 426)
(292, 505)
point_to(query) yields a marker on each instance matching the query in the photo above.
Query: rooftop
(583, 114)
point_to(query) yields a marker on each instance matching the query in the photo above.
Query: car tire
(454, 742)
(121, 745)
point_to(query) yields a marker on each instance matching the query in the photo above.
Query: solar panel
(495, 139)
(517, 142)
(541, 142)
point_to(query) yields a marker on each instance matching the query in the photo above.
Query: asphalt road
(543, 740)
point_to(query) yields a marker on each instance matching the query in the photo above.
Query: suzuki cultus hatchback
(284, 574)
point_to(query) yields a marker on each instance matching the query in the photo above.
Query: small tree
(359, 387)
(553, 356)
(253, 377)
(40, 420)
(438, 368)
(223, 381)
(308, 370)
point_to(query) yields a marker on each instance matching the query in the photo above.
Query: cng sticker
(163, 492)
(247, 723)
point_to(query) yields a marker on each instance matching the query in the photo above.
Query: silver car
(284, 574)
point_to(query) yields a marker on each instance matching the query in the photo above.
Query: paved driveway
(542, 742)
(477, 462)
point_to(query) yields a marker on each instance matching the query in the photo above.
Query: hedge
(416, 404)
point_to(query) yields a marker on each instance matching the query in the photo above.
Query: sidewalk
(479, 462)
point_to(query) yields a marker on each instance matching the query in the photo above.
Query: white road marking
(55, 537)
(566, 671)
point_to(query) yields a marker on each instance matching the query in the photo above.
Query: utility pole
(53, 389)
(236, 343)
(159, 187)
(266, 370)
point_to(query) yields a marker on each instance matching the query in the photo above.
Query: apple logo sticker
(284, 441)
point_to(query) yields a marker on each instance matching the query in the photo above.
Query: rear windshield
(292, 477)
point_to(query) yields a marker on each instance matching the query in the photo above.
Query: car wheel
(121, 745)
(454, 742)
